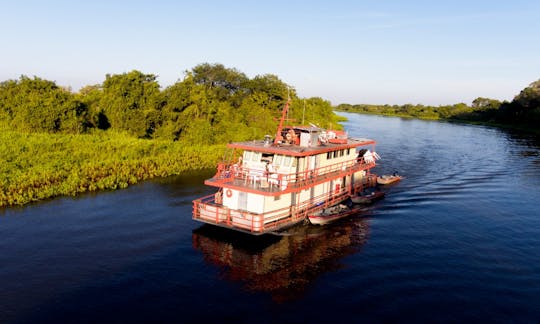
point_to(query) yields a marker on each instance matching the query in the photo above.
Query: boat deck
(297, 150)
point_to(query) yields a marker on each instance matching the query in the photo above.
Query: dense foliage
(39, 105)
(212, 104)
(522, 111)
(39, 166)
(107, 136)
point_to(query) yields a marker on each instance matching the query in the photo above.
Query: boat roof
(297, 150)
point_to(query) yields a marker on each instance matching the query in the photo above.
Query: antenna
(304, 112)
(288, 108)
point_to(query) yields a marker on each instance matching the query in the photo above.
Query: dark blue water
(457, 240)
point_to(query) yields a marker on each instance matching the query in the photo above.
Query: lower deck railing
(207, 210)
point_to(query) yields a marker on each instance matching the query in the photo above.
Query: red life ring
(228, 192)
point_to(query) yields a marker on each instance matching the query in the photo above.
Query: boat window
(267, 157)
(294, 162)
(277, 159)
(328, 155)
(247, 155)
(287, 161)
(256, 157)
(335, 154)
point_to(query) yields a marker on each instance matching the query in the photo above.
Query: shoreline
(521, 128)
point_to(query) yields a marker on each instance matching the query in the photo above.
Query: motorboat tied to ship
(368, 198)
(270, 184)
(331, 214)
(389, 179)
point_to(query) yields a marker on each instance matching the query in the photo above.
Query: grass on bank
(39, 166)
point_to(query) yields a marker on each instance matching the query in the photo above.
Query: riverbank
(39, 166)
(518, 127)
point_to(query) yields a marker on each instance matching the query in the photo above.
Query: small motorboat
(368, 198)
(330, 214)
(388, 179)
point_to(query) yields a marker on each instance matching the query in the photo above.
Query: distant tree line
(212, 104)
(523, 110)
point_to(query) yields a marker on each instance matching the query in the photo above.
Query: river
(457, 240)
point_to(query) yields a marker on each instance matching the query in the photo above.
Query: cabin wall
(357, 179)
(255, 203)
(272, 203)
(315, 192)
(326, 189)
(304, 195)
(250, 202)
(232, 201)
(321, 189)
(301, 164)
(348, 180)
(309, 194)
(359, 176)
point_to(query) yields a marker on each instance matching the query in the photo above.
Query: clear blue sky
(395, 52)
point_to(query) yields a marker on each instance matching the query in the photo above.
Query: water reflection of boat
(283, 266)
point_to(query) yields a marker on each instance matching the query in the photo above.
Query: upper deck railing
(267, 179)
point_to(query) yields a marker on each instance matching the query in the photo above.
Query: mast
(280, 127)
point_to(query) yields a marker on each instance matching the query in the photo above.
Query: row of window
(277, 160)
(285, 160)
(336, 154)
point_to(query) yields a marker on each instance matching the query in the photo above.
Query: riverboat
(267, 185)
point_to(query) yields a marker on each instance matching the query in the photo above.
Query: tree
(131, 101)
(528, 101)
(315, 111)
(529, 98)
(525, 108)
(233, 107)
(481, 103)
(223, 82)
(90, 96)
(37, 105)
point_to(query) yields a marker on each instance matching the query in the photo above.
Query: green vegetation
(522, 112)
(107, 136)
(39, 166)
